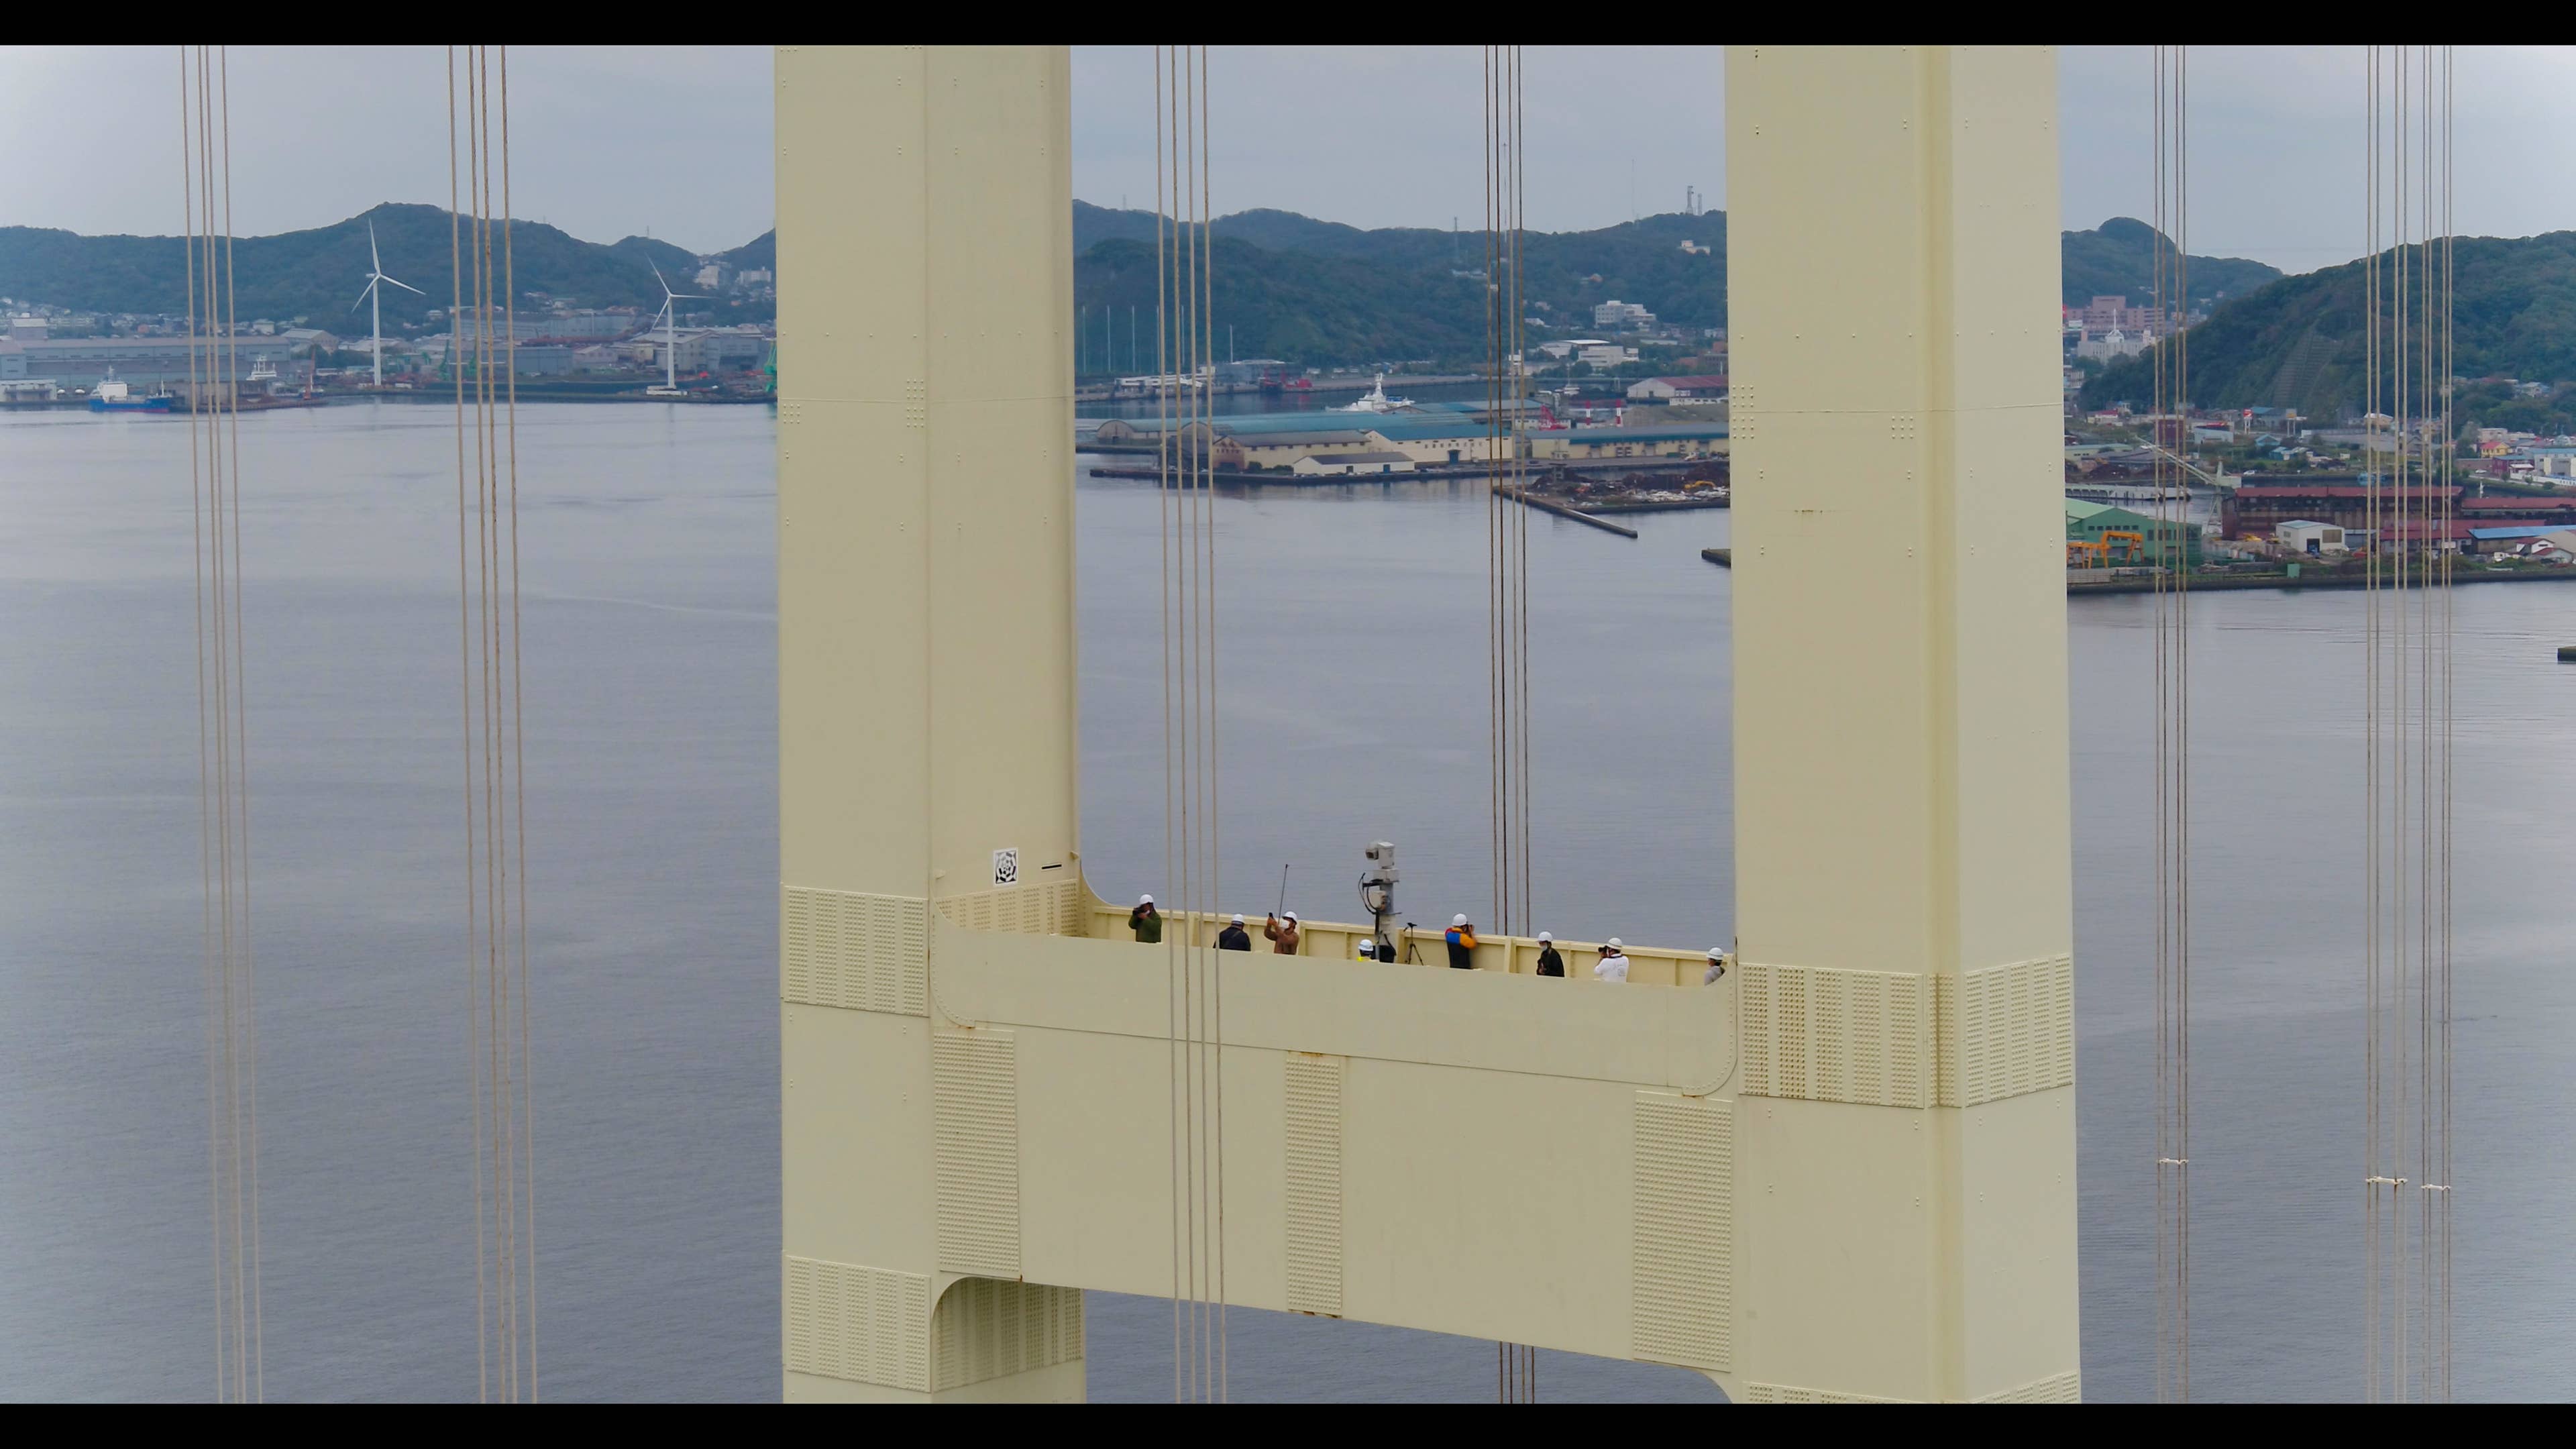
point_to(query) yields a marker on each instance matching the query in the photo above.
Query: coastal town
(557, 350)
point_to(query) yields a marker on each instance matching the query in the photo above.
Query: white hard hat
(1544, 936)
(1238, 920)
(1458, 920)
(1613, 943)
(1368, 948)
(1287, 915)
(1716, 953)
(1144, 900)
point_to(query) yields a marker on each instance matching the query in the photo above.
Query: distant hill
(1357, 296)
(2117, 259)
(317, 274)
(1320, 292)
(2301, 343)
(676, 262)
(758, 254)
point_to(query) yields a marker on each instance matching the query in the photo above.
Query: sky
(612, 141)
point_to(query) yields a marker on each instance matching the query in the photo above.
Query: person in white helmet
(1368, 949)
(1549, 963)
(1146, 922)
(1716, 967)
(1234, 937)
(1462, 944)
(1282, 928)
(1613, 965)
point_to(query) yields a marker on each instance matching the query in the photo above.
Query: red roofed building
(2537, 510)
(2257, 509)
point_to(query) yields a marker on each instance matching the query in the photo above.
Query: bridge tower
(1845, 1172)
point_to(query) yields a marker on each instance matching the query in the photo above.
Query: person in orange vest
(1462, 944)
(1282, 929)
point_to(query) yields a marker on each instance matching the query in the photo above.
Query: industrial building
(2156, 539)
(2256, 509)
(528, 325)
(1680, 441)
(1284, 450)
(80, 362)
(541, 361)
(1671, 389)
(723, 349)
(1457, 438)
(1353, 464)
(2316, 540)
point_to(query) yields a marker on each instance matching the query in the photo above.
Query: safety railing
(1422, 946)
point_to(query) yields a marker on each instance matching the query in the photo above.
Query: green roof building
(2087, 522)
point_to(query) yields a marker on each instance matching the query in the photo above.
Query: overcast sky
(608, 141)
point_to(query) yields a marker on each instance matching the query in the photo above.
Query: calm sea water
(1353, 629)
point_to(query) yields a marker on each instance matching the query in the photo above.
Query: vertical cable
(241, 720)
(518, 747)
(2370, 747)
(1216, 963)
(209, 964)
(465, 706)
(2182, 701)
(2449, 497)
(1165, 207)
(1521, 514)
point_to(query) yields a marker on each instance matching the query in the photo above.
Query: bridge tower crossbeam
(1844, 1172)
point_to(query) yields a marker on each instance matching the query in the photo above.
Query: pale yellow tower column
(1907, 1219)
(926, 693)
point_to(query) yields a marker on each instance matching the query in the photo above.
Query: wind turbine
(376, 311)
(670, 329)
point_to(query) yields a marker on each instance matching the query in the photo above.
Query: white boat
(1377, 401)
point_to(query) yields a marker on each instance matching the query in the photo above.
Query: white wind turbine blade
(375, 263)
(371, 286)
(406, 286)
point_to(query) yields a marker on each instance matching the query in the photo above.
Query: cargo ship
(117, 397)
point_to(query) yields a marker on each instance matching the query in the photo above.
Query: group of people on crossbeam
(1280, 928)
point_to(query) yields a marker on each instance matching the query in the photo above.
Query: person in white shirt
(1613, 965)
(1716, 967)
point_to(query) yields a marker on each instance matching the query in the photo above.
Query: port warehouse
(1453, 433)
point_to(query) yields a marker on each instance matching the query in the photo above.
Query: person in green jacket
(1146, 922)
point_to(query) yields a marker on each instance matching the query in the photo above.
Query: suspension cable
(519, 755)
(2177, 538)
(1215, 896)
(2409, 678)
(491, 683)
(1506, 553)
(229, 966)
(1185, 350)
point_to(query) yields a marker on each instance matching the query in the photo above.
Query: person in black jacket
(1234, 937)
(1549, 963)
